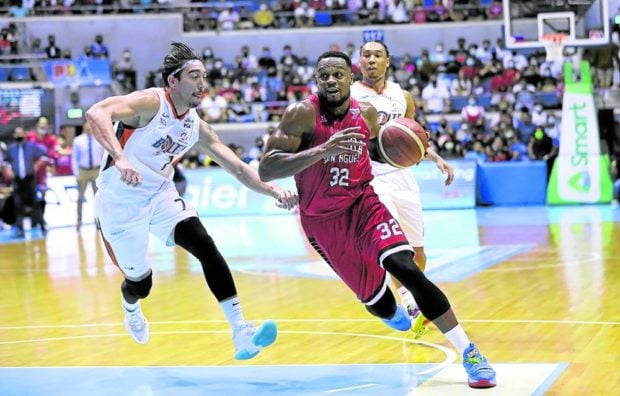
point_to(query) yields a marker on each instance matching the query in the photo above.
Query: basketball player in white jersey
(397, 188)
(144, 134)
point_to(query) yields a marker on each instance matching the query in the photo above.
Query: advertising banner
(580, 173)
(461, 194)
(66, 72)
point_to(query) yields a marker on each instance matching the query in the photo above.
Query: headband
(190, 62)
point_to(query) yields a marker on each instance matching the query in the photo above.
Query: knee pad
(139, 289)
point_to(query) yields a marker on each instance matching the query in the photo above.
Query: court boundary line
(318, 320)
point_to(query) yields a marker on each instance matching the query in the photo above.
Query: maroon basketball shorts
(355, 242)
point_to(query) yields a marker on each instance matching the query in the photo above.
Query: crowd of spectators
(232, 15)
(479, 100)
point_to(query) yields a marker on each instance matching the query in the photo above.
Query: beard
(333, 102)
(194, 102)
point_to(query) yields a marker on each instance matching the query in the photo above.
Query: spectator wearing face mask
(436, 97)
(22, 157)
(228, 19)
(472, 113)
(52, 50)
(525, 95)
(553, 129)
(439, 56)
(518, 60)
(484, 53)
(125, 71)
(524, 125)
(267, 62)
(99, 49)
(539, 115)
(86, 55)
(471, 68)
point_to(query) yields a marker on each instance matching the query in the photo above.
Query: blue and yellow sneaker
(400, 320)
(418, 321)
(480, 374)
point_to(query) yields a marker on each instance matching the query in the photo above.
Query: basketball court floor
(537, 289)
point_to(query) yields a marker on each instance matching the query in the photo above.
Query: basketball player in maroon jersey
(326, 142)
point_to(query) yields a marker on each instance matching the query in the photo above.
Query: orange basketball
(402, 142)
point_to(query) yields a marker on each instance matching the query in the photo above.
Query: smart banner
(580, 174)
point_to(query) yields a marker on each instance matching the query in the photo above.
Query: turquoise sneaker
(400, 320)
(249, 340)
(480, 374)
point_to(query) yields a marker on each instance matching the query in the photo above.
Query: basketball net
(554, 46)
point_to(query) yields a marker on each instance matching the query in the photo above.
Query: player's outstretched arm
(135, 109)
(441, 163)
(247, 175)
(282, 158)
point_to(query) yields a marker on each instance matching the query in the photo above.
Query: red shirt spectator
(42, 136)
(511, 75)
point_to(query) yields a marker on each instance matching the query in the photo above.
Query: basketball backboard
(526, 22)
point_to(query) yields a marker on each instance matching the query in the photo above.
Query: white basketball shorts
(399, 191)
(126, 220)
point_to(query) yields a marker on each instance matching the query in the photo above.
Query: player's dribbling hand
(286, 199)
(348, 140)
(129, 174)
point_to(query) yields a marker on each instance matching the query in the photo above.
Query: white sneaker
(249, 341)
(137, 325)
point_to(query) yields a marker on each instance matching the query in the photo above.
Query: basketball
(402, 142)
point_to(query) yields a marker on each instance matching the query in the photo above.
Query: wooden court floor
(534, 287)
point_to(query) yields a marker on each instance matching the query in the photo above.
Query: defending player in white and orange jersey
(397, 188)
(145, 133)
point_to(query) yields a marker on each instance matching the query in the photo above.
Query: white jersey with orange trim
(390, 104)
(397, 188)
(152, 149)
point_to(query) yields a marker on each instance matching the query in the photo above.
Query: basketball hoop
(554, 46)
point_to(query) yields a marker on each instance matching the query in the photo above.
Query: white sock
(232, 310)
(406, 298)
(458, 338)
(130, 307)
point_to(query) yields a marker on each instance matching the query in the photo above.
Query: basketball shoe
(136, 324)
(400, 320)
(249, 340)
(480, 374)
(418, 321)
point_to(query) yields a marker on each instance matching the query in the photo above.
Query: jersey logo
(355, 113)
(168, 146)
(163, 120)
(384, 117)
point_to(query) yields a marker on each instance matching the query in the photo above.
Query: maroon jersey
(336, 182)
